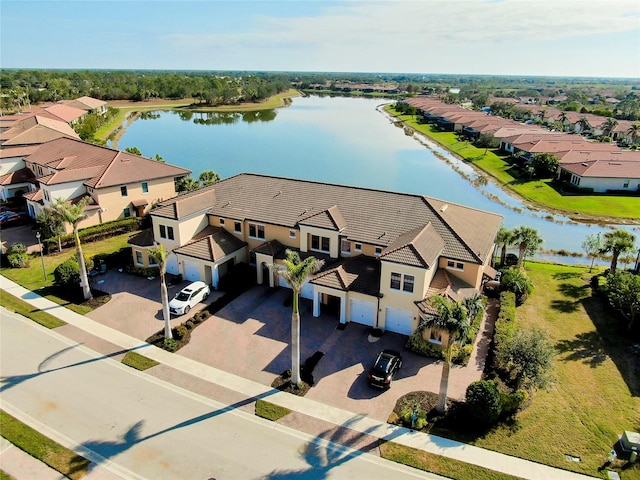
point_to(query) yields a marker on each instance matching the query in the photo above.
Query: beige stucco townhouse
(385, 253)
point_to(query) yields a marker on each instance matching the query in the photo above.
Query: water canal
(338, 140)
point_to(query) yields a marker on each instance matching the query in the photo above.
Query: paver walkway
(334, 416)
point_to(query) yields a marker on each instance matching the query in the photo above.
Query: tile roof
(143, 238)
(329, 219)
(420, 247)
(35, 196)
(375, 217)
(19, 176)
(18, 151)
(99, 166)
(579, 156)
(85, 103)
(211, 244)
(66, 112)
(604, 169)
(448, 286)
(187, 203)
(357, 274)
(36, 129)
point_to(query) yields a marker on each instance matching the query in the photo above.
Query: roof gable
(420, 247)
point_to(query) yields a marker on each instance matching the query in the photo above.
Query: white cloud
(404, 35)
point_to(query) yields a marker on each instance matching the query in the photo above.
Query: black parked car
(384, 369)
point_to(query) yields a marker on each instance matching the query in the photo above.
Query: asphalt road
(141, 427)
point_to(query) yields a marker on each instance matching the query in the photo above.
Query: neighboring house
(20, 136)
(385, 253)
(602, 171)
(88, 104)
(119, 184)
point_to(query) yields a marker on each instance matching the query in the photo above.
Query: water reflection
(343, 141)
(221, 118)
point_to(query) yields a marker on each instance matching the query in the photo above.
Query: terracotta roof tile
(374, 217)
(211, 244)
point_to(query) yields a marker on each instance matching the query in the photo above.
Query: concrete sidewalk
(341, 418)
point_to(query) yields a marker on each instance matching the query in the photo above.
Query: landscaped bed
(595, 398)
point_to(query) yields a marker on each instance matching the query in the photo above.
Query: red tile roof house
(89, 104)
(385, 253)
(20, 136)
(617, 171)
(119, 184)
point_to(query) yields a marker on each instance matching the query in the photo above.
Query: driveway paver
(250, 338)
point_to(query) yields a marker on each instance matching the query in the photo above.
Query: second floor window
(319, 243)
(237, 227)
(256, 231)
(166, 232)
(123, 190)
(346, 246)
(145, 187)
(402, 282)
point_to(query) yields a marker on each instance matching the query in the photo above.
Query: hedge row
(94, 233)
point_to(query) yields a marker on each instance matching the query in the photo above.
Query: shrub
(416, 343)
(67, 273)
(407, 418)
(180, 331)
(18, 260)
(511, 402)
(189, 324)
(527, 358)
(462, 355)
(143, 271)
(484, 402)
(170, 345)
(17, 248)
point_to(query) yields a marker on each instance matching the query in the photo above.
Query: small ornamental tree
(484, 402)
(544, 165)
(527, 357)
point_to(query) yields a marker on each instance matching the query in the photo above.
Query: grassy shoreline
(540, 194)
(128, 110)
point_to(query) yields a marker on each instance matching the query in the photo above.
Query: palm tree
(516, 280)
(73, 215)
(208, 177)
(528, 242)
(608, 126)
(584, 125)
(634, 132)
(452, 319)
(159, 254)
(562, 118)
(618, 242)
(295, 272)
(505, 238)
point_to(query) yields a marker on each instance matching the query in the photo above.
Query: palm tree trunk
(444, 386)
(614, 262)
(165, 306)
(295, 348)
(84, 279)
(503, 254)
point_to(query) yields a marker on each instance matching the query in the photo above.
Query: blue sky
(503, 37)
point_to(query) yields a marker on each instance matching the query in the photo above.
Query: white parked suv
(189, 296)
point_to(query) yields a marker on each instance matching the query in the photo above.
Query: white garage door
(399, 320)
(362, 311)
(191, 270)
(172, 264)
(307, 289)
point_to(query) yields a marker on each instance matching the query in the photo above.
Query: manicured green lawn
(17, 305)
(43, 448)
(597, 393)
(32, 276)
(137, 361)
(270, 411)
(438, 464)
(537, 191)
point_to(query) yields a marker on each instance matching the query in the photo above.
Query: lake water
(347, 141)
